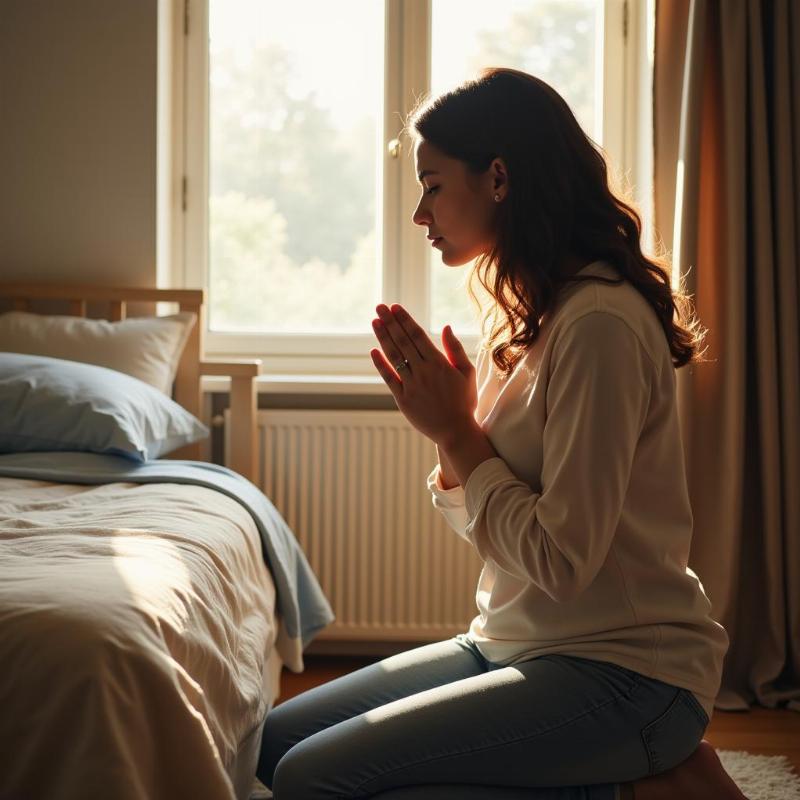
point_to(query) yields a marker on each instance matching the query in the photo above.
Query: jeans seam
(635, 683)
(493, 746)
(680, 696)
(694, 705)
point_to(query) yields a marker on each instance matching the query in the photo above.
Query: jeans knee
(291, 778)
(316, 769)
(275, 742)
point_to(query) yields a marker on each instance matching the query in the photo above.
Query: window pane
(295, 110)
(552, 39)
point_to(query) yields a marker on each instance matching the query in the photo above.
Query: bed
(148, 598)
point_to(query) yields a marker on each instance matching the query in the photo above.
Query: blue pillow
(54, 404)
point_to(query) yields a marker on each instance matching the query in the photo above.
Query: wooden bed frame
(192, 366)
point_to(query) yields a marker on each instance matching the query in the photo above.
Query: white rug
(759, 777)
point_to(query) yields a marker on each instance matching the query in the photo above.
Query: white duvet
(135, 621)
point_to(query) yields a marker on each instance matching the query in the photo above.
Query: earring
(497, 198)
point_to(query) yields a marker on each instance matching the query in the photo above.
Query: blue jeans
(439, 722)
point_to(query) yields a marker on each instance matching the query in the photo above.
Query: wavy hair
(559, 204)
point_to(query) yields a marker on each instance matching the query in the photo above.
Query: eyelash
(431, 190)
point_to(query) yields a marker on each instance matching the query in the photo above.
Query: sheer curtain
(727, 205)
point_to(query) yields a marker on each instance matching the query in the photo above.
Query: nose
(421, 215)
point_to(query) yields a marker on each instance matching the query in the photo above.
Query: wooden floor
(762, 731)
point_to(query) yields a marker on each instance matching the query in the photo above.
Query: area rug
(759, 777)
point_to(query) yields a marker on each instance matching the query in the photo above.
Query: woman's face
(455, 205)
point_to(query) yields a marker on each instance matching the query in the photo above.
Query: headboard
(192, 366)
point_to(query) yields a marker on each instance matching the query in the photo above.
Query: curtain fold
(727, 206)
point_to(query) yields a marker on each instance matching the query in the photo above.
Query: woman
(592, 668)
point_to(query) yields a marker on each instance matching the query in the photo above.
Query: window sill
(305, 384)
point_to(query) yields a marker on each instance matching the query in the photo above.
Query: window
(294, 120)
(298, 202)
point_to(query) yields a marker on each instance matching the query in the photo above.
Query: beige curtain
(727, 205)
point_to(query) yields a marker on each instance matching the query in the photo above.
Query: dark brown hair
(559, 204)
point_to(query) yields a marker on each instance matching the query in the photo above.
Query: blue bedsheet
(300, 600)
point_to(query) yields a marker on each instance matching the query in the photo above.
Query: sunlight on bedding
(154, 573)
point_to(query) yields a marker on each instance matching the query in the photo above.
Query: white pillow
(149, 348)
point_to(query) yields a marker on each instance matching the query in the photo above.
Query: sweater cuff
(444, 498)
(482, 480)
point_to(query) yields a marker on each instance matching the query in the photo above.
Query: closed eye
(431, 190)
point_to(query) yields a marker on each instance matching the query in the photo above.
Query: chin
(459, 256)
(455, 259)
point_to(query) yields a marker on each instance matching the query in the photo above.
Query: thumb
(454, 350)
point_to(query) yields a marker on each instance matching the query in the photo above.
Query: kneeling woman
(593, 665)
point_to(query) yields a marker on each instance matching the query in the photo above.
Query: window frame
(182, 248)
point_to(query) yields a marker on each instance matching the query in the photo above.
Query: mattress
(137, 637)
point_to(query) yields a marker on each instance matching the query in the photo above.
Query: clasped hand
(436, 392)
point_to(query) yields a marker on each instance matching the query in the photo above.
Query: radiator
(352, 487)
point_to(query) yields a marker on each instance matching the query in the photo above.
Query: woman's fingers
(386, 372)
(412, 333)
(388, 345)
(402, 338)
(455, 350)
(405, 347)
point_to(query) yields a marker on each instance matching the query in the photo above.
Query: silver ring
(401, 365)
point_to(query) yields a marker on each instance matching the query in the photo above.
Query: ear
(499, 177)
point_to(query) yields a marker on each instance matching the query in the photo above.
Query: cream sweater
(583, 522)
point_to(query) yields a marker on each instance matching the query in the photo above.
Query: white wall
(78, 141)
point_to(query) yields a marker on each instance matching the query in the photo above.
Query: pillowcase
(53, 404)
(149, 348)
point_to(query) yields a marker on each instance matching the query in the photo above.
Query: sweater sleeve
(450, 502)
(597, 398)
